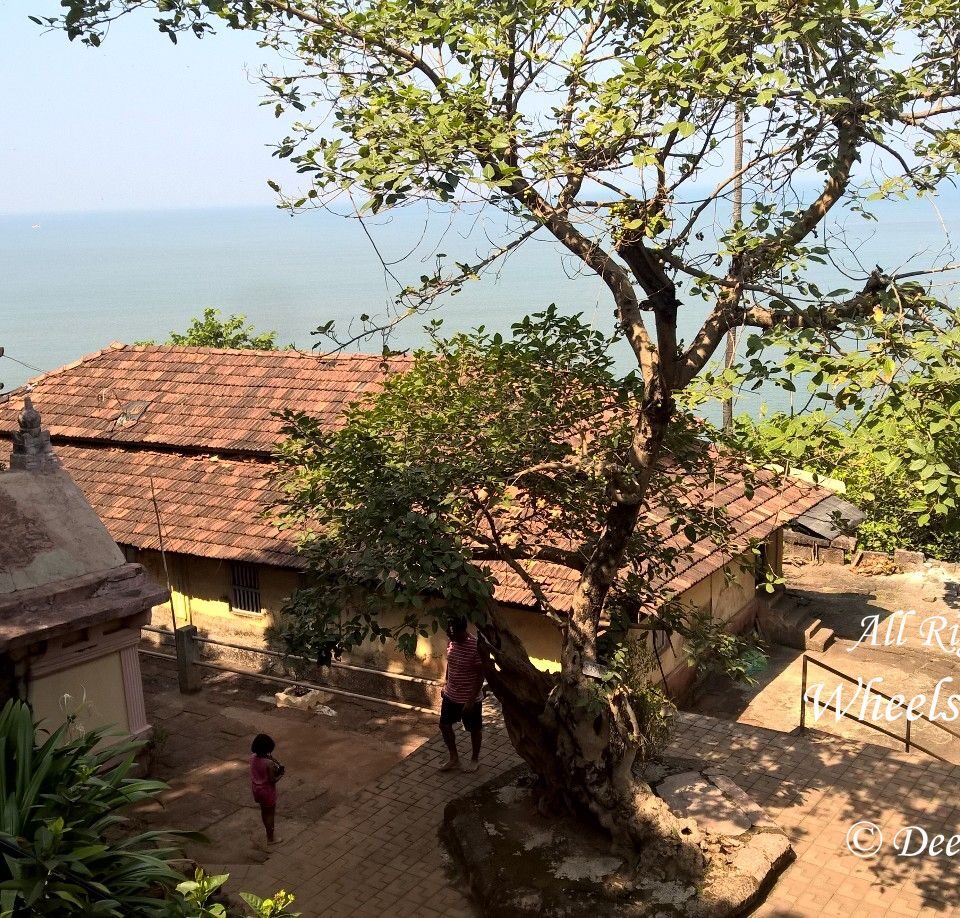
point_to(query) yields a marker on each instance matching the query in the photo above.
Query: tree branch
(724, 319)
(338, 24)
(765, 255)
(600, 261)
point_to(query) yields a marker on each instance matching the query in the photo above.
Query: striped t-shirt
(464, 671)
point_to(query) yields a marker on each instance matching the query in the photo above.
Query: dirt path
(205, 746)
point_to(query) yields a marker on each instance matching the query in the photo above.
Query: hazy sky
(138, 122)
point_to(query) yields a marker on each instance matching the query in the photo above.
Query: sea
(72, 283)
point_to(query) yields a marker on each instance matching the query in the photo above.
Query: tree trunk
(581, 743)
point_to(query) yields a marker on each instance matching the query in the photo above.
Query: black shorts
(451, 713)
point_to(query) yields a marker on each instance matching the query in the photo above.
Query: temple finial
(32, 451)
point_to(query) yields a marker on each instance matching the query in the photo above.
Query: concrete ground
(842, 598)
(204, 749)
(379, 853)
(364, 802)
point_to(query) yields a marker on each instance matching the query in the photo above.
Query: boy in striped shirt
(461, 695)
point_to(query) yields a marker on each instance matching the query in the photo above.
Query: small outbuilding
(831, 519)
(71, 606)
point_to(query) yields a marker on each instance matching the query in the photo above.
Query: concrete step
(816, 636)
(790, 624)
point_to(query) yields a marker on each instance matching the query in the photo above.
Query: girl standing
(265, 771)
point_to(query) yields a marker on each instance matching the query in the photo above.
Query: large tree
(609, 126)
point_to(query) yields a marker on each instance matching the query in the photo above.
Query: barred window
(661, 640)
(246, 588)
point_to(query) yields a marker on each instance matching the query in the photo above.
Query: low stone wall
(843, 550)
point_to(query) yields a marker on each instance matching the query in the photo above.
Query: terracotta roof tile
(203, 400)
(769, 509)
(168, 396)
(213, 509)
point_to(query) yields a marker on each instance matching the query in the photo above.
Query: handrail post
(907, 739)
(188, 673)
(803, 697)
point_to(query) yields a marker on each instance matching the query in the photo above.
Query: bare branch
(915, 118)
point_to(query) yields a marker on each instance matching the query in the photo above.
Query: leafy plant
(275, 907)
(631, 672)
(60, 825)
(65, 851)
(198, 892)
(210, 330)
(712, 650)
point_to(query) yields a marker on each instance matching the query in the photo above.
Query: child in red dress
(265, 771)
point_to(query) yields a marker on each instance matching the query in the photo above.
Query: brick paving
(379, 853)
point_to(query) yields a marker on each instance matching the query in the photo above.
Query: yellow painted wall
(538, 634)
(700, 595)
(429, 659)
(210, 588)
(276, 586)
(729, 596)
(202, 589)
(153, 563)
(96, 690)
(775, 552)
(206, 602)
(540, 637)
(723, 595)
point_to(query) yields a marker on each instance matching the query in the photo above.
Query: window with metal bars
(661, 641)
(246, 588)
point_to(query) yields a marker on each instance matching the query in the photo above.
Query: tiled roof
(217, 508)
(192, 398)
(201, 401)
(773, 504)
(209, 507)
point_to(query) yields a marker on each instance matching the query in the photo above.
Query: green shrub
(60, 821)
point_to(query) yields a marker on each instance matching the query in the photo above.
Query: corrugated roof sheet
(821, 520)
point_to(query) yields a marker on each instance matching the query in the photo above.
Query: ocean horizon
(71, 283)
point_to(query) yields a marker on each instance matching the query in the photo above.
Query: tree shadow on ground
(818, 787)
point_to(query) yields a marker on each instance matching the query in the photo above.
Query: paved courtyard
(842, 599)
(378, 852)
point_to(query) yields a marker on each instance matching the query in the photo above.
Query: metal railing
(335, 664)
(907, 739)
(192, 639)
(153, 629)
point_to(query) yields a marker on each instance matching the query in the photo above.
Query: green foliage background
(889, 428)
(210, 330)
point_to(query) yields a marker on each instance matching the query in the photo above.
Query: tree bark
(581, 743)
